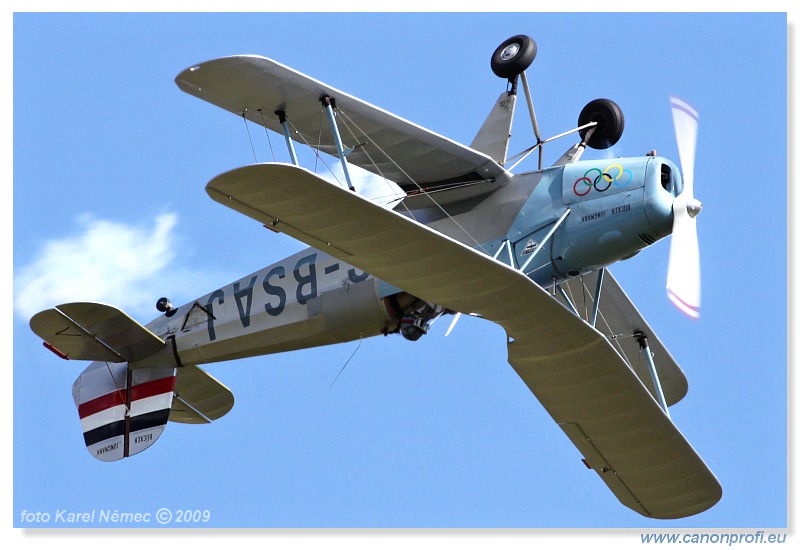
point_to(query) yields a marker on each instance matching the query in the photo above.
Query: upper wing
(95, 332)
(571, 368)
(385, 144)
(618, 319)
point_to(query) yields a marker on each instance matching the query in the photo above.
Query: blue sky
(110, 162)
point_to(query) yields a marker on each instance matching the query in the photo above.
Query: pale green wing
(382, 143)
(572, 368)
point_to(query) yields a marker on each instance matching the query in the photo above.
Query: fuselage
(609, 211)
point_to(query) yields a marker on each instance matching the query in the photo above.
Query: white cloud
(105, 261)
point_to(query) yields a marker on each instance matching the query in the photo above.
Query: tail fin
(124, 407)
(493, 137)
(123, 411)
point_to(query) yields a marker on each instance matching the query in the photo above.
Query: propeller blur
(683, 274)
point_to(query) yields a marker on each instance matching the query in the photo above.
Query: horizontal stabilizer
(123, 411)
(199, 397)
(94, 332)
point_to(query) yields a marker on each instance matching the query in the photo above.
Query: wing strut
(597, 292)
(545, 239)
(567, 300)
(327, 104)
(535, 125)
(506, 245)
(642, 339)
(285, 127)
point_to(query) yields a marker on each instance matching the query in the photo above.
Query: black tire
(610, 123)
(163, 305)
(509, 61)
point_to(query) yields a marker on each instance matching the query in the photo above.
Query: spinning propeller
(683, 274)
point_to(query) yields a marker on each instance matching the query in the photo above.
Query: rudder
(123, 411)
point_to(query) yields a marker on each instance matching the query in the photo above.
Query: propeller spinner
(683, 274)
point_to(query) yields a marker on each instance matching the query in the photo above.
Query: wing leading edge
(572, 369)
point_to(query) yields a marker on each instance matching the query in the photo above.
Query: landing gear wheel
(610, 123)
(513, 56)
(164, 306)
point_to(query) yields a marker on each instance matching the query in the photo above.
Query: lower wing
(574, 371)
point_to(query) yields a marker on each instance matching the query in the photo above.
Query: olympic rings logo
(602, 180)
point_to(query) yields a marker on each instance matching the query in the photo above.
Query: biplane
(443, 229)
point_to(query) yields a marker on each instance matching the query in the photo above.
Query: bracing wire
(316, 153)
(611, 336)
(269, 141)
(446, 213)
(585, 301)
(360, 338)
(319, 141)
(119, 390)
(377, 169)
(318, 158)
(247, 127)
(609, 333)
(102, 350)
(123, 396)
(366, 152)
(524, 154)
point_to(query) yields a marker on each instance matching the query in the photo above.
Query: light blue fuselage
(617, 207)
